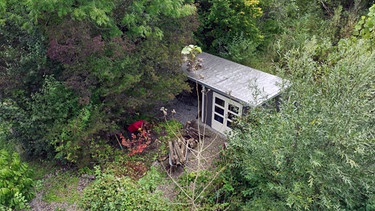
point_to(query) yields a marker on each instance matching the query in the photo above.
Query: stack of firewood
(178, 149)
(177, 152)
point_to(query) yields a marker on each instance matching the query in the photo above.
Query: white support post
(203, 106)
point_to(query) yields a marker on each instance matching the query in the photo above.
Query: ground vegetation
(74, 74)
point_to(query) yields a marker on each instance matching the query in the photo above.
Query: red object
(135, 126)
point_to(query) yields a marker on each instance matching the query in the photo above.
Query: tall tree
(102, 60)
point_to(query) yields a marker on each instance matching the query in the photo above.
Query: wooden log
(184, 150)
(192, 143)
(172, 161)
(193, 133)
(178, 148)
(179, 153)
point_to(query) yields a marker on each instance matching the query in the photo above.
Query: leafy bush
(54, 125)
(221, 21)
(168, 129)
(199, 190)
(39, 120)
(15, 181)
(5, 127)
(318, 152)
(137, 143)
(366, 25)
(109, 192)
(240, 49)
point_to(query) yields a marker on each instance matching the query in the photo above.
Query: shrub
(15, 181)
(317, 153)
(168, 129)
(109, 192)
(5, 127)
(37, 122)
(240, 49)
(221, 21)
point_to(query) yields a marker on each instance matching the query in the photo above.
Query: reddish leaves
(72, 42)
(138, 143)
(72, 50)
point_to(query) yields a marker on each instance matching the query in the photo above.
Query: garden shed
(228, 89)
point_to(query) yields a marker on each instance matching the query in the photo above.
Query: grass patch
(56, 185)
(62, 188)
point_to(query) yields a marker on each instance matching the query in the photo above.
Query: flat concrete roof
(239, 82)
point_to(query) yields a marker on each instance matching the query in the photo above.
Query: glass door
(224, 112)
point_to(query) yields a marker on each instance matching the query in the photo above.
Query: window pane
(231, 116)
(229, 124)
(219, 101)
(219, 110)
(218, 118)
(233, 108)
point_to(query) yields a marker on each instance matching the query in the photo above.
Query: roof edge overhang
(213, 81)
(287, 86)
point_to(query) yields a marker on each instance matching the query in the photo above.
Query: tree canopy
(74, 66)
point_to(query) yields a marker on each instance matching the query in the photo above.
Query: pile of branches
(179, 148)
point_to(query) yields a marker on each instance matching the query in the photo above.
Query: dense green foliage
(318, 151)
(366, 26)
(223, 21)
(252, 32)
(15, 181)
(109, 192)
(74, 73)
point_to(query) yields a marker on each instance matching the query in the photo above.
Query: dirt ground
(186, 107)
